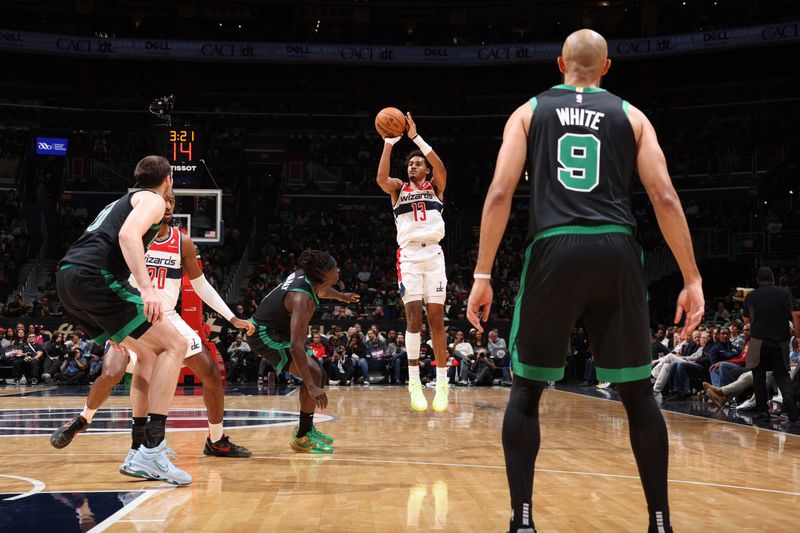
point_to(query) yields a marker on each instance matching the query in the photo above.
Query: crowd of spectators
(35, 355)
(349, 356)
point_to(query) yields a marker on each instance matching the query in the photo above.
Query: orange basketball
(390, 122)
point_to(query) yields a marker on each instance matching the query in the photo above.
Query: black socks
(306, 423)
(154, 430)
(137, 432)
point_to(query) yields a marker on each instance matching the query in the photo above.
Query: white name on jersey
(575, 116)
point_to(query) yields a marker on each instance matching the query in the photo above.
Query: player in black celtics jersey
(584, 146)
(92, 283)
(281, 322)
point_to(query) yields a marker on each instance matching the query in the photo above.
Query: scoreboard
(181, 146)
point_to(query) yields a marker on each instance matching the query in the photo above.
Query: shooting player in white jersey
(421, 276)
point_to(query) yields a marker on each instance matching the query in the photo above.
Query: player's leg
(547, 307)
(141, 366)
(307, 439)
(115, 360)
(217, 443)
(435, 281)
(162, 343)
(617, 321)
(411, 284)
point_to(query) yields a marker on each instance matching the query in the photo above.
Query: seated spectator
(316, 347)
(54, 351)
(237, 362)
(725, 372)
(355, 350)
(340, 368)
(722, 315)
(479, 370)
(399, 358)
(498, 351)
(34, 358)
(73, 369)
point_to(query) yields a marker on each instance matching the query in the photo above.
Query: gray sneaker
(153, 463)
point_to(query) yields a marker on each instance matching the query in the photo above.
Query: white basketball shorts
(194, 347)
(421, 274)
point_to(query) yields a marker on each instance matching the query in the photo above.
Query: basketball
(390, 122)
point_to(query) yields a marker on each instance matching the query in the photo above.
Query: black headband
(330, 264)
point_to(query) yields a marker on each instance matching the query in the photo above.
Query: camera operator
(478, 370)
(340, 367)
(73, 369)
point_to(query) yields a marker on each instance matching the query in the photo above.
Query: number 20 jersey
(581, 159)
(163, 260)
(418, 215)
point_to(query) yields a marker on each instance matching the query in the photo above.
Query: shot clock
(181, 146)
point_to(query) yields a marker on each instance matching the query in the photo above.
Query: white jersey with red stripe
(418, 215)
(163, 260)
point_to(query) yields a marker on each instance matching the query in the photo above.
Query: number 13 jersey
(163, 260)
(581, 159)
(418, 215)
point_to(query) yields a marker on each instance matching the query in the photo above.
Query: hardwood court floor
(397, 470)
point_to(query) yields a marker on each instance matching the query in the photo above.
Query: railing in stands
(29, 287)
(232, 293)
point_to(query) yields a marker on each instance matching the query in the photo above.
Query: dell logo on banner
(160, 45)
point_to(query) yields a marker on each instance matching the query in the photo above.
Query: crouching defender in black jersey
(281, 322)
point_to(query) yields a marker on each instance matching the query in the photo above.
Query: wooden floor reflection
(397, 470)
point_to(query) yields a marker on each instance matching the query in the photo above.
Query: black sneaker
(64, 435)
(225, 448)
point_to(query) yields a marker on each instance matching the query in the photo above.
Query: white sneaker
(125, 468)
(604, 385)
(153, 463)
(746, 405)
(777, 399)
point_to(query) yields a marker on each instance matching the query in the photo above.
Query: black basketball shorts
(275, 351)
(106, 306)
(591, 271)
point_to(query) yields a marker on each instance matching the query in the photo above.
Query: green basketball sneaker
(306, 444)
(315, 434)
(418, 400)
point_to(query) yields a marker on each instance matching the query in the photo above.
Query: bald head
(584, 55)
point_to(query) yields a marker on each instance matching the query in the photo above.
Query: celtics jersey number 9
(581, 157)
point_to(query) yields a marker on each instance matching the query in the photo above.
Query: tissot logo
(183, 168)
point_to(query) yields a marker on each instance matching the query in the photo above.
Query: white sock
(215, 431)
(413, 341)
(441, 375)
(87, 413)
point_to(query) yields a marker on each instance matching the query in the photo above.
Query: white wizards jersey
(163, 260)
(418, 215)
